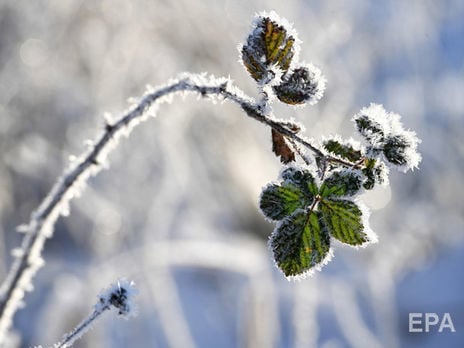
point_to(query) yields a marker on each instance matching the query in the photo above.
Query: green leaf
(344, 151)
(267, 46)
(277, 202)
(343, 220)
(342, 183)
(303, 179)
(299, 243)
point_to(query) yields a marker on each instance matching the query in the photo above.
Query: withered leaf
(281, 148)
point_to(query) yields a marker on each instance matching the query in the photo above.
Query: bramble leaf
(279, 201)
(299, 243)
(344, 151)
(303, 84)
(369, 128)
(343, 220)
(309, 215)
(268, 46)
(341, 183)
(303, 178)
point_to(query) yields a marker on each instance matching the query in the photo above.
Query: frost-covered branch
(69, 185)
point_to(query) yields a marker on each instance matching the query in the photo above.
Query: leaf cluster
(312, 207)
(309, 214)
(270, 56)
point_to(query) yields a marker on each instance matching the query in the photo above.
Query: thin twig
(300, 153)
(81, 329)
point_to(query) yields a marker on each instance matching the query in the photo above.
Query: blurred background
(177, 210)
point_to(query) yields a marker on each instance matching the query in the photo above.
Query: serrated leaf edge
(365, 214)
(310, 272)
(274, 17)
(353, 171)
(263, 189)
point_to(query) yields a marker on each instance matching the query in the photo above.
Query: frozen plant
(118, 296)
(317, 198)
(315, 203)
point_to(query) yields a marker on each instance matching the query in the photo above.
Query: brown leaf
(281, 148)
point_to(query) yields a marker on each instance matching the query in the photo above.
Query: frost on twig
(118, 296)
(40, 227)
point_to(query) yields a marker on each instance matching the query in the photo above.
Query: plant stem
(81, 329)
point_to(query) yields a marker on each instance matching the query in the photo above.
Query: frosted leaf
(371, 168)
(269, 49)
(299, 243)
(401, 150)
(305, 84)
(343, 220)
(301, 177)
(345, 149)
(372, 123)
(309, 213)
(345, 182)
(278, 201)
(296, 191)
